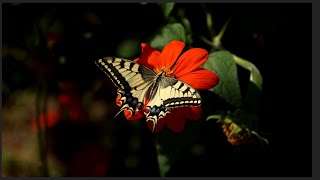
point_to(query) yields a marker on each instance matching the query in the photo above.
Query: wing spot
(127, 65)
(135, 68)
(117, 60)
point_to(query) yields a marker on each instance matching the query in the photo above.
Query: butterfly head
(164, 71)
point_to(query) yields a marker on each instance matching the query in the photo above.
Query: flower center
(168, 71)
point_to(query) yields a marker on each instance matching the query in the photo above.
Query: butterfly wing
(167, 94)
(132, 79)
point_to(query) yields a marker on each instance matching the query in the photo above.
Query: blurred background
(48, 53)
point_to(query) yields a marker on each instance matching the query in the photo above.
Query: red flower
(71, 101)
(52, 117)
(186, 69)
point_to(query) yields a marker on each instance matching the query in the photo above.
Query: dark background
(275, 37)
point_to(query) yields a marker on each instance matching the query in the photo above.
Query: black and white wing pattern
(137, 83)
(132, 79)
(170, 93)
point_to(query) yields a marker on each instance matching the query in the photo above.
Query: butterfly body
(141, 89)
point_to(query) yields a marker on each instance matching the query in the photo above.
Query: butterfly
(141, 89)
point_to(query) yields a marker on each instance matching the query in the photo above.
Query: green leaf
(128, 48)
(170, 145)
(187, 26)
(166, 8)
(253, 94)
(223, 64)
(167, 34)
(255, 75)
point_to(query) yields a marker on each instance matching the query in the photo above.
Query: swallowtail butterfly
(137, 83)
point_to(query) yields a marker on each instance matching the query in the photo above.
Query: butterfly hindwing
(132, 79)
(170, 93)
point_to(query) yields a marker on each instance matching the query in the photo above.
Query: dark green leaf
(168, 33)
(166, 8)
(187, 26)
(223, 64)
(252, 98)
(128, 48)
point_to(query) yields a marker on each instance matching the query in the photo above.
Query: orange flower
(186, 69)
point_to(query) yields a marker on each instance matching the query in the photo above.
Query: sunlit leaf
(167, 34)
(253, 94)
(224, 65)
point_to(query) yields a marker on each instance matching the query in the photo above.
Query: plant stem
(217, 39)
(46, 135)
(209, 21)
(42, 153)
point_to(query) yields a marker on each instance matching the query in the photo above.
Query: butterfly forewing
(132, 79)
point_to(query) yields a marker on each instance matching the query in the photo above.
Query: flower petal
(175, 121)
(189, 61)
(171, 52)
(189, 113)
(201, 79)
(149, 57)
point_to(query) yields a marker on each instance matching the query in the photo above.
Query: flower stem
(208, 42)
(209, 21)
(42, 153)
(217, 39)
(46, 134)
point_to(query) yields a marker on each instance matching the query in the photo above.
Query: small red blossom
(71, 101)
(186, 69)
(52, 117)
